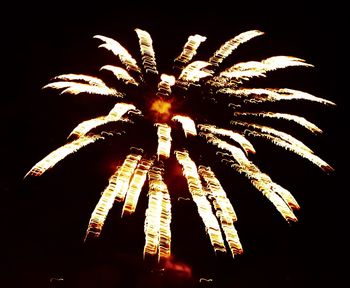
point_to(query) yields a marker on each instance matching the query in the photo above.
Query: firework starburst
(172, 103)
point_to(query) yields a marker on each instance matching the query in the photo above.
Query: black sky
(44, 219)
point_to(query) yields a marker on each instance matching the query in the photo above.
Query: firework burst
(169, 103)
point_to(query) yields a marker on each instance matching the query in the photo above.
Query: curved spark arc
(77, 88)
(195, 71)
(62, 152)
(260, 95)
(297, 119)
(189, 50)
(121, 74)
(239, 138)
(118, 50)
(247, 70)
(198, 196)
(113, 116)
(187, 124)
(260, 180)
(223, 207)
(233, 147)
(227, 48)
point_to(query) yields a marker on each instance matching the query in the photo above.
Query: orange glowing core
(160, 110)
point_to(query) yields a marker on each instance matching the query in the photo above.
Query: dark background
(44, 219)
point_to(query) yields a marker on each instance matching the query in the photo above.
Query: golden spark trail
(268, 130)
(158, 216)
(193, 71)
(120, 74)
(114, 115)
(295, 149)
(198, 196)
(187, 124)
(164, 140)
(264, 183)
(247, 70)
(59, 154)
(221, 201)
(122, 182)
(118, 50)
(256, 95)
(223, 207)
(296, 94)
(260, 180)
(102, 208)
(80, 77)
(239, 138)
(147, 52)
(189, 50)
(297, 119)
(77, 88)
(165, 231)
(136, 184)
(227, 48)
(164, 86)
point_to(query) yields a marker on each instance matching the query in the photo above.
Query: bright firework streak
(164, 140)
(246, 70)
(158, 216)
(199, 197)
(189, 50)
(232, 143)
(187, 124)
(93, 85)
(164, 86)
(121, 74)
(240, 139)
(147, 52)
(227, 48)
(102, 208)
(54, 157)
(114, 115)
(136, 185)
(127, 170)
(223, 207)
(257, 95)
(297, 119)
(116, 190)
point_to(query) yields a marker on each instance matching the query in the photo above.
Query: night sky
(45, 218)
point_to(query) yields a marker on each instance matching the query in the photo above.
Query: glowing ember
(229, 137)
(161, 109)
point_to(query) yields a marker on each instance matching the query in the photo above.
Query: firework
(159, 105)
